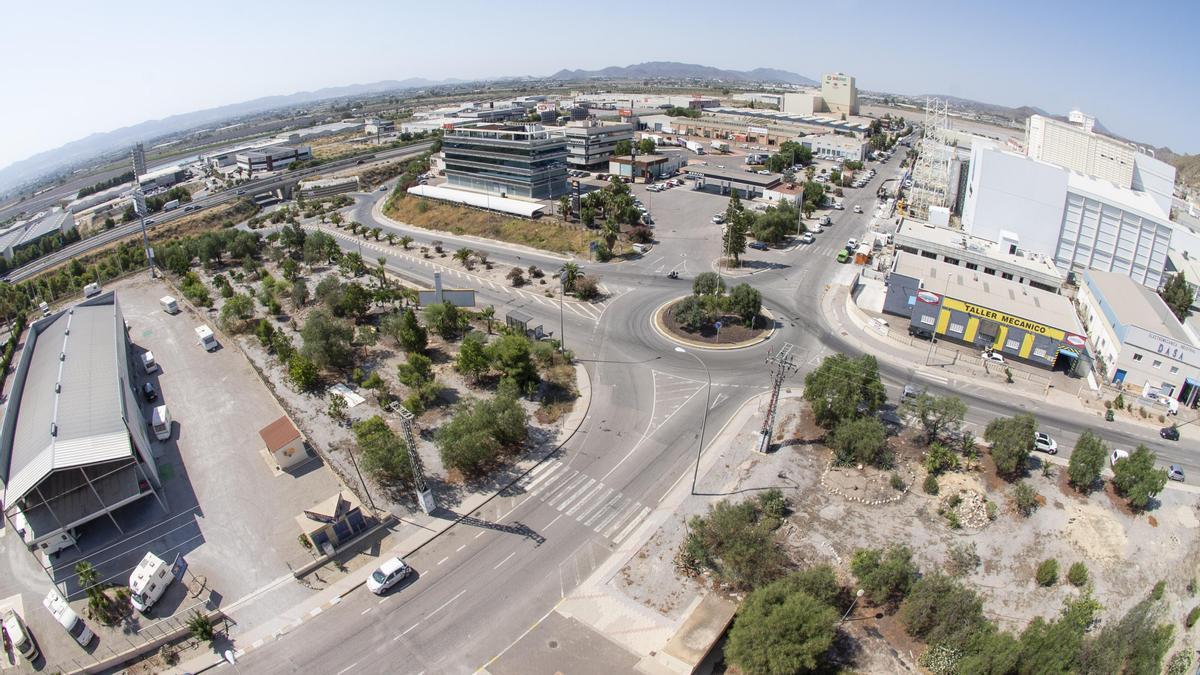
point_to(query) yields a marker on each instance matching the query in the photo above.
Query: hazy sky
(70, 68)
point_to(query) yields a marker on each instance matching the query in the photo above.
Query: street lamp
(562, 285)
(704, 423)
(858, 594)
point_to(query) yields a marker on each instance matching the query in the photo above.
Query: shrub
(1025, 498)
(1077, 575)
(931, 484)
(897, 482)
(737, 543)
(940, 610)
(887, 575)
(1193, 616)
(773, 503)
(782, 628)
(861, 440)
(940, 459)
(1156, 593)
(479, 432)
(962, 559)
(1047, 572)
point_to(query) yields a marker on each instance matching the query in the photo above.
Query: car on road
(764, 172)
(758, 246)
(149, 392)
(850, 244)
(1175, 473)
(843, 256)
(994, 357)
(807, 238)
(1170, 433)
(1043, 443)
(719, 219)
(857, 208)
(911, 391)
(392, 571)
(839, 206)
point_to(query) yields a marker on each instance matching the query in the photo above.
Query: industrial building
(748, 184)
(590, 144)
(1183, 262)
(1081, 221)
(162, 177)
(958, 248)
(29, 232)
(761, 127)
(647, 167)
(1139, 341)
(973, 308)
(838, 96)
(836, 147)
(272, 158)
(74, 445)
(522, 160)
(375, 126)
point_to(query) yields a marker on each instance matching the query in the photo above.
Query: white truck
(91, 290)
(160, 422)
(696, 147)
(204, 336)
(149, 581)
(720, 146)
(18, 635)
(148, 363)
(68, 619)
(168, 304)
(171, 205)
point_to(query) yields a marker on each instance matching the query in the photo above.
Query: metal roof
(478, 200)
(734, 175)
(65, 409)
(1135, 305)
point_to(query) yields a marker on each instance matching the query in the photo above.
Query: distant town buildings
(838, 96)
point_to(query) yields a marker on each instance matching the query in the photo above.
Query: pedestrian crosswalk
(590, 502)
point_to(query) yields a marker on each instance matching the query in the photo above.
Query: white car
(1116, 456)
(807, 238)
(718, 219)
(838, 206)
(857, 208)
(1043, 443)
(994, 357)
(387, 575)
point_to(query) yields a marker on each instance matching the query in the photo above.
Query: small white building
(283, 442)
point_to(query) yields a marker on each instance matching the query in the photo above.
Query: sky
(69, 69)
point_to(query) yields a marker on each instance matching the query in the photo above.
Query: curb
(661, 329)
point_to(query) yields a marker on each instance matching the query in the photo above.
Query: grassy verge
(546, 234)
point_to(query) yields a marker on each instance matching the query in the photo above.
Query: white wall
(1013, 194)
(1156, 177)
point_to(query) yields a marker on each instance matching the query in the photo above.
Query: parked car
(1170, 433)
(993, 356)
(843, 256)
(807, 238)
(149, 392)
(719, 219)
(857, 208)
(1043, 443)
(851, 244)
(387, 575)
(758, 246)
(839, 206)
(918, 332)
(1175, 473)
(911, 391)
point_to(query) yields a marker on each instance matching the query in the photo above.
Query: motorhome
(160, 422)
(91, 289)
(204, 336)
(168, 304)
(19, 636)
(149, 581)
(68, 619)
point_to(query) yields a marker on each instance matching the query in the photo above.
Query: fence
(135, 643)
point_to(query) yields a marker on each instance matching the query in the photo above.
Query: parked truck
(696, 147)
(720, 146)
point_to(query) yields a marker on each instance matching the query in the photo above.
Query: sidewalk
(421, 529)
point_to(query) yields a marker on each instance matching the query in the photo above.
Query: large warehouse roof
(65, 410)
(1135, 305)
(480, 200)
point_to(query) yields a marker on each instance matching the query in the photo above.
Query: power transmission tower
(781, 364)
(424, 494)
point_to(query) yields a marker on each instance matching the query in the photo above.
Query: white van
(149, 581)
(68, 619)
(204, 335)
(91, 289)
(641, 248)
(160, 422)
(168, 304)
(20, 637)
(148, 362)
(45, 309)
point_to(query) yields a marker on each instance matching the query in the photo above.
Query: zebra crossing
(590, 502)
(587, 310)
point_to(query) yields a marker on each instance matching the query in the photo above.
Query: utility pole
(424, 494)
(782, 364)
(562, 326)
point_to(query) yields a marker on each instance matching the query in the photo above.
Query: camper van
(91, 290)
(168, 304)
(160, 422)
(148, 362)
(20, 637)
(149, 581)
(205, 336)
(68, 619)
(45, 308)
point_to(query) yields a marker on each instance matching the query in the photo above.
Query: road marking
(566, 488)
(629, 528)
(343, 670)
(447, 603)
(552, 522)
(584, 499)
(555, 481)
(600, 527)
(519, 638)
(544, 476)
(443, 560)
(510, 555)
(479, 535)
(576, 494)
(410, 629)
(603, 509)
(315, 611)
(599, 502)
(365, 611)
(460, 548)
(672, 486)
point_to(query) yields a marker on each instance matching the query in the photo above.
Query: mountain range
(674, 70)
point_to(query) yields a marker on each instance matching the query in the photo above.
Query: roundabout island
(713, 317)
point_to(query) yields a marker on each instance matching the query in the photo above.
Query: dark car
(1170, 433)
(918, 332)
(758, 246)
(149, 392)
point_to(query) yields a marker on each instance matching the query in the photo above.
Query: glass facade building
(507, 160)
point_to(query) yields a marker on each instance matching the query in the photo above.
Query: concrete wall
(1010, 193)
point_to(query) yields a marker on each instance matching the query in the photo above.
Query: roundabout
(710, 336)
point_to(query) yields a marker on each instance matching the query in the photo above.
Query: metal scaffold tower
(931, 170)
(781, 364)
(424, 494)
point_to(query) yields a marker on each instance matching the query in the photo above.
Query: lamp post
(858, 594)
(562, 337)
(704, 423)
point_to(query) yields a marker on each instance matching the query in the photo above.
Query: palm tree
(406, 241)
(612, 230)
(488, 314)
(89, 579)
(571, 272)
(809, 171)
(463, 255)
(564, 207)
(391, 238)
(376, 231)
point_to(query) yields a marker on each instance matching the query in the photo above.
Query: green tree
(1137, 479)
(445, 319)
(646, 146)
(843, 388)
(623, 148)
(940, 610)
(302, 372)
(938, 416)
(1025, 498)
(691, 313)
(1087, 461)
(1012, 442)
(479, 431)
(861, 440)
(405, 241)
(511, 356)
(326, 340)
(1177, 295)
(384, 454)
(708, 283)
(885, 575)
(472, 358)
(1136, 643)
(200, 627)
(745, 301)
(488, 314)
(416, 371)
(299, 293)
(737, 543)
(235, 312)
(780, 628)
(406, 330)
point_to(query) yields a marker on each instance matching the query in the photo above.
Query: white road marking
(443, 560)
(552, 522)
(603, 509)
(365, 611)
(460, 548)
(599, 502)
(614, 521)
(585, 499)
(633, 523)
(575, 494)
(447, 603)
(479, 535)
(343, 670)
(506, 559)
(566, 488)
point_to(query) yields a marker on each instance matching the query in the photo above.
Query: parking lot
(226, 511)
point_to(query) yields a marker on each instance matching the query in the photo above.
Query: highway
(483, 583)
(247, 189)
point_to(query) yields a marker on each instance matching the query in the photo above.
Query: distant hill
(99, 143)
(684, 71)
(1187, 167)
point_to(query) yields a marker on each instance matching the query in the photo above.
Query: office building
(138, 155)
(272, 158)
(1139, 341)
(590, 144)
(74, 445)
(162, 177)
(1081, 221)
(375, 126)
(506, 159)
(970, 307)
(955, 247)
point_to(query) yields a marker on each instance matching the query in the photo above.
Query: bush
(1193, 616)
(898, 482)
(1077, 575)
(479, 432)
(708, 283)
(1156, 593)
(940, 610)
(861, 440)
(1047, 572)
(781, 628)
(773, 503)
(940, 459)
(962, 559)
(586, 288)
(886, 576)
(384, 454)
(931, 484)
(1025, 498)
(691, 313)
(737, 543)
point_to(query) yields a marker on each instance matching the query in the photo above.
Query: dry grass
(337, 145)
(545, 233)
